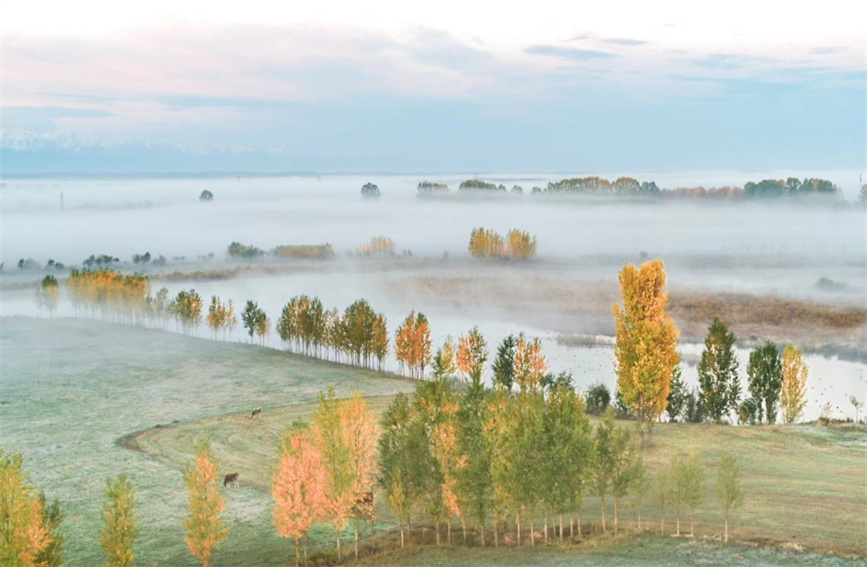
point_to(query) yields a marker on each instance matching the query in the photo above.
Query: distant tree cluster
(108, 292)
(309, 251)
(206, 196)
(100, 260)
(790, 187)
(238, 250)
(360, 337)
(430, 187)
(479, 185)
(186, 308)
(141, 258)
(369, 190)
(378, 246)
(518, 244)
(626, 186)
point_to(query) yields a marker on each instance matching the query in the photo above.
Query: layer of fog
(778, 248)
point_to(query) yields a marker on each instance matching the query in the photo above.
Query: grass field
(71, 389)
(806, 487)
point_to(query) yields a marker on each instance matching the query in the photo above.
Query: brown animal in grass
(256, 413)
(231, 478)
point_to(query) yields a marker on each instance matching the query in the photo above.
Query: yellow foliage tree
(522, 246)
(119, 524)
(646, 348)
(530, 364)
(793, 396)
(205, 526)
(22, 532)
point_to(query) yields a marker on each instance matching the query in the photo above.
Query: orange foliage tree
(412, 344)
(298, 488)
(205, 526)
(530, 364)
(472, 354)
(793, 396)
(646, 347)
(22, 532)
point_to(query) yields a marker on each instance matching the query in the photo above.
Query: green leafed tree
(677, 395)
(120, 526)
(504, 364)
(729, 490)
(718, 372)
(765, 373)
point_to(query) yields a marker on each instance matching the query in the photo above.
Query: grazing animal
(231, 478)
(256, 413)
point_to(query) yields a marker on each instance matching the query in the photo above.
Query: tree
(23, 535)
(474, 478)
(677, 395)
(718, 372)
(216, 315)
(641, 485)
(412, 344)
(729, 489)
(691, 481)
(765, 372)
(646, 347)
(598, 399)
(120, 527)
(250, 317)
(298, 488)
(621, 468)
(606, 459)
(48, 293)
(444, 360)
(361, 429)
(530, 365)
(662, 483)
(472, 354)
(340, 479)
(206, 196)
(52, 521)
(370, 190)
(857, 404)
(263, 325)
(205, 524)
(503, 366)
(404, 457)
(522, 246)
(793, 396)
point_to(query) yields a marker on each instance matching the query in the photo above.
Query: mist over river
(782, 248)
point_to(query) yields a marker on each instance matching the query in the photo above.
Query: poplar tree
(692, 479)
(340, 479)
(646, 347)
(765, 372)
(23, 535)
(729, 490)
(205, 525)
(793, 397)
(718, 372)
(298, 489)
(120, 527)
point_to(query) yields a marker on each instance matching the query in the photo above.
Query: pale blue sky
(451, 87)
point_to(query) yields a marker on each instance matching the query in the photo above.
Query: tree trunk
(615, 514)
(571, 524)
(691, 525)
(306, 540)
(545, 519)
(662, 522)
(561, 528)
(438, 533)
(401, 537)
(518, 522)
(339, 559)
(482, 528)
(464, 528)
(496, 533)
(532, 531)
(726, 536)
(356, 537)
(297, 553)
(639, 517)
(579, 524)
(603, 514)
(449, 531)
(677, 531)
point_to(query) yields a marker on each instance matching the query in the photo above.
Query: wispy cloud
(623, 41)
(569, 52)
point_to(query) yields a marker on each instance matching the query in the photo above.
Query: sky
(115, 87)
